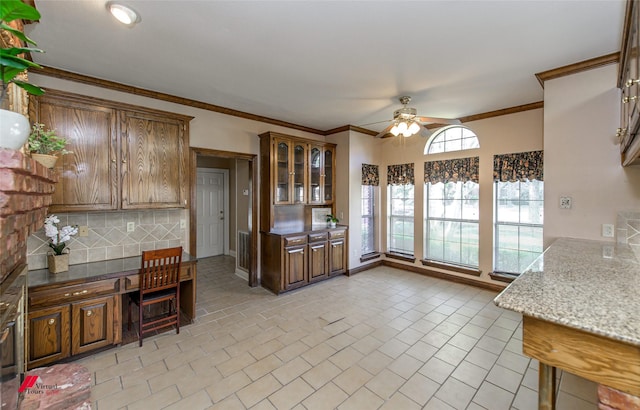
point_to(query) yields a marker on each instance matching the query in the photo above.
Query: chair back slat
(160, 269)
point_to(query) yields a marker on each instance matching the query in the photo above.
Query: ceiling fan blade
(384, 132)
(424, 131)
(436, 120)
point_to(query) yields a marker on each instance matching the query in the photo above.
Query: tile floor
(381, 339)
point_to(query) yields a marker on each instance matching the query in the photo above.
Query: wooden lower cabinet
(294, 260)
(92, 324)
(49, 335)
(295, 267)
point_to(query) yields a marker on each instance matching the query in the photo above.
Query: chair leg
(129, 319)
(177, 300)
(140, 310)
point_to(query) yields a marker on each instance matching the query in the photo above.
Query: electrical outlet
(83, 230)
(131, 226)
(607, 251)
(607, 230)
(565, 202)
(183, 224)
(245, 192)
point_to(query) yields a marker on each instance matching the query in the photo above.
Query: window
(519, 209)
(452, 138)
(451, 223)
(401, 201)
(368, 221)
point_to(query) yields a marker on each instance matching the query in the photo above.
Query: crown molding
(578, 67)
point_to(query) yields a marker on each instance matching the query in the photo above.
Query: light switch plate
(565, 202)
(183, 224)
(83, 230)
(131, 226)
(607, 230)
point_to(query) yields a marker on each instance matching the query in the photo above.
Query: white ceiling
(325, 64)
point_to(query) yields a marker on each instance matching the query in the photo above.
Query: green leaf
(30, 88)
(15, 9)
(20, 63)
(17, 33)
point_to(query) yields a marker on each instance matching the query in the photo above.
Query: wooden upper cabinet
(289, 171)
(88, 177)
(124, 156)
(629, 82)
(321, 174)
(153, 161)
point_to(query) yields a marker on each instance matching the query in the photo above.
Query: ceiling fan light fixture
(402, 127)
(124, 14)
(394, 130)
(414, 128)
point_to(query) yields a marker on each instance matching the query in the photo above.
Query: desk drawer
(66, 294)
(132, 282)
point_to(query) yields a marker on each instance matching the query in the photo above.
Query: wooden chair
(159, 282)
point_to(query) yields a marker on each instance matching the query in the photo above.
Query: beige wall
(582, 161)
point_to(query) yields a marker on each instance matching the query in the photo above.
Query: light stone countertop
(572, 284)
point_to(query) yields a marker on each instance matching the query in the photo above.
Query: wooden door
(49, 338)
(318, 261)
(153, 161)
(210, 230)
(92, 324)
(88, 177)
(295, 267)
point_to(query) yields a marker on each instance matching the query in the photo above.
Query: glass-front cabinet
(321, 175)
(290, 172)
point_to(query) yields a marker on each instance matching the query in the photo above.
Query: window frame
(391, 218)
(457, 265)
(499, 270)
(442, 133)
(369, 217)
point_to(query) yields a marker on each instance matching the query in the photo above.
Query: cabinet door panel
(92, 324)
(88, 175)
(295, 267)
(328, 175)
(153, 163)
(49, 335)
(315, 175)
(337, 256)
(318, 257)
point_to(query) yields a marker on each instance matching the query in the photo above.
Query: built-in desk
(581, 313)
(73, 312)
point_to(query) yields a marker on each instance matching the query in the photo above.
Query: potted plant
(332, 220)
(14, 127)
(58, 261)
(45, 146)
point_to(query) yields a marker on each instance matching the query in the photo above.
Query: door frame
(253, 176)
(225, 205)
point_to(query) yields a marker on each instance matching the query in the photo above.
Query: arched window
(451, 138)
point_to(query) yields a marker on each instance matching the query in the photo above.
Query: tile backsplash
(108, 237)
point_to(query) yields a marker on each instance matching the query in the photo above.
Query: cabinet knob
(627, 99)
(631, 82)
(124, 161)
(52, 321)
(89, 313)
(113, 160)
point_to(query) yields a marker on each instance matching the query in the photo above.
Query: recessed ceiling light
(124, 14)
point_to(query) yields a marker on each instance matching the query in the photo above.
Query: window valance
(451, 170)
(400, 174)
(370, 175)
(521, 166)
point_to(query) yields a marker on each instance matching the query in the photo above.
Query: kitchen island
(581, 313)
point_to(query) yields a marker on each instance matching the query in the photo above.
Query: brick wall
(25, 194)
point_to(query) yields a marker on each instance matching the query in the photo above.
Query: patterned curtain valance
(400, 174)
(451, 170)
(370, 175)
(521, 166)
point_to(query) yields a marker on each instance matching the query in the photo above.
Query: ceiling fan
(407, 122)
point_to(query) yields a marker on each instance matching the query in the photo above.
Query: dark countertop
(91, 271)
(304, 229)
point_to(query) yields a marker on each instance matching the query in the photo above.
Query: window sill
(451, 267)
(369, 256)
(502, 276)
(400, 256)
